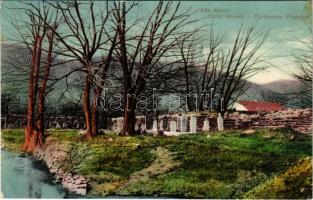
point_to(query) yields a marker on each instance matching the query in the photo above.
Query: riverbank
(54, 154)
(232, 164)
(24, 177)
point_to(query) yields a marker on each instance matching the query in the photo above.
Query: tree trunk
(202, 101)
(95, 113)
(129, 116)
(41, 96)
(86, 104)
(28, 147)
(98, 90)
(188, 98)
(35, 140)
(40, 125)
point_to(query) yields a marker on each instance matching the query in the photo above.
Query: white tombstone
(136, 126)
(155, 125)
(173, 127)
(114, 124)
(161, 124)
(206, 125)
(178, 123)
(57, 125)
(143, 126)
(183, 123)
(220, 122)
(119, 124)
(193, 124)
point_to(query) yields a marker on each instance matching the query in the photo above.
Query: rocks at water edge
(74, 183)
(53, 154)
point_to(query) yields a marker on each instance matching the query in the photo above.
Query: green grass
(231, 164)
(296, 180)
(13, 139)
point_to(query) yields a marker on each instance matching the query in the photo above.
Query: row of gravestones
(179, 123)
(172, 124)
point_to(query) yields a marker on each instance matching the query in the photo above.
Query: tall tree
(85, 35)
(139, 51)
(40, 123)
(223, 68)
(38, 39)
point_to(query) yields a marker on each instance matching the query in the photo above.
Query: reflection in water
(22, 178)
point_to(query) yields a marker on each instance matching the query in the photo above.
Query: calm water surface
(23, 177)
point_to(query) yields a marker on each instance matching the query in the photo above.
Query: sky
(286, 21)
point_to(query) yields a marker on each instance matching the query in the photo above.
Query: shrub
(296, 182)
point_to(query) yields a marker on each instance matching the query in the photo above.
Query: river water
(23, 177)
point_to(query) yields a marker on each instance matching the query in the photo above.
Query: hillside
(16, 59)
(283, 86)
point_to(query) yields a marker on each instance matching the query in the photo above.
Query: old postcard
(156, 99)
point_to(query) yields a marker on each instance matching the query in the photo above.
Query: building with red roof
(257, 106)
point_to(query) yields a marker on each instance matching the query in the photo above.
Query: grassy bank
(232, 164)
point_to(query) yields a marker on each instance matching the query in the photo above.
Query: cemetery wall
(297, 119)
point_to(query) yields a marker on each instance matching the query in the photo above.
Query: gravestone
(183, 123)
(64, 125)
(220, 122)
(161, 124)
(143, 125)
(119, 124)
(173, 127)
(155, 125)
(165, 123)
(114, 124)
(178, 123)
(193, 124)
(57, 125)
(206, 125)
(137, 125)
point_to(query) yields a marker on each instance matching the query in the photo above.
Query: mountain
(283, 86)
(15, 62)
(280, 91)
(255, 92)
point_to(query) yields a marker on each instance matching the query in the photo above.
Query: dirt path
(163, 163)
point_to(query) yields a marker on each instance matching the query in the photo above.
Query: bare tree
(200, 69)
(38, 39)
(303, 59)
(84, 35)
(190, 53)
(223, 69)
(139, 51)
(241, 63)
(42, 89)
